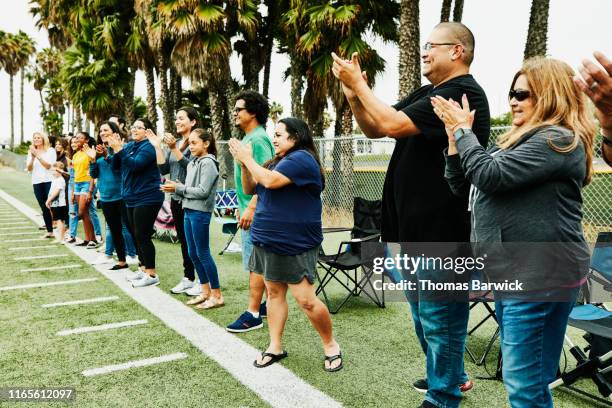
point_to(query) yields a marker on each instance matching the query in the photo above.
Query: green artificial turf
(382, 355)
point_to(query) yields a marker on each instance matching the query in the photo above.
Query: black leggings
(41, 192)
(178, 215)
(112, 214)
(141, 220)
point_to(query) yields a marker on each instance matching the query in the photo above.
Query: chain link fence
(356, 167)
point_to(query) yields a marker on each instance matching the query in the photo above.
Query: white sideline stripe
(6, 234)
(51, 268)
(45, 284)
(25, 258)
(102, 327)
(32, 247)
(17, 228)
(15, 222)
(81, 302)
(25, 240)
(278, 386)
(135, 363)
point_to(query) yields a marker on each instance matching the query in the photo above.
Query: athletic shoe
(182, 286)
(422, 386)
(195, 290)
(263, 310)
(134, 276)
(148, 280)
(71, 240)
(246, 322)
(92, 245)
(82, 244)
(99, 238)
(102, 259)
(131, 260)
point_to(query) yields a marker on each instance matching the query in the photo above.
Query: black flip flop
(331, 359)
(116, 267)
(273, 359)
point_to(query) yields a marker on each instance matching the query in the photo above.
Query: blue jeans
(73, 221)
(531, 342)
(130, 249)
(197, 226)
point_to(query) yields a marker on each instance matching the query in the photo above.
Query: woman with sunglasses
(140, 181)
(526, 193)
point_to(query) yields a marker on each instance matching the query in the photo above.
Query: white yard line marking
(15, 223)
(45, 284)
(27, 258)
(81, 302)
(228, 350)
(32, 247)
(135, 363)
(102, 327)
(25, 240)
(16, 228)
(51, 268)
(6, 234)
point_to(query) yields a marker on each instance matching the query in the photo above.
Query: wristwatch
(459, 133)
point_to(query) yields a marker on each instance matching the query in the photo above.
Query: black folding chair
(343, 267)
(484, 299)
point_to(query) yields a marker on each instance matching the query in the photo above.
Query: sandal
(331, 359)
(211, 303)
(273, 359)
(197, 300)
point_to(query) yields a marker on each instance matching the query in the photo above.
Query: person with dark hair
(140, 180)
(198, 201)
(119, 121)
(417, 203)
(73, 208)
(108, 180)
(287, 233)
(250, 115)
(62, 147)
(174, 163)
(84, 187)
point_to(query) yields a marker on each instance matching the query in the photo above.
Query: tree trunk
(21, 106)
(164, 91)
(79, 119)
(128, 97)
(297, 83)
(267, 67)
(538, 29)
(409, 46)
(271, 24)
(446, 9)
(178, 92)
(346, 127)
(42, 100)
(12, 112)
(151, 101)
(458, 11)
(172, 93)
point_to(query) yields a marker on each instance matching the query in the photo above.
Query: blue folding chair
(226, 205)
(596, 321)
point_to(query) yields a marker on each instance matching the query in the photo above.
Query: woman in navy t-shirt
(286, 233)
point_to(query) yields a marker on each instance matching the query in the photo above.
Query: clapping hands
(240, 152)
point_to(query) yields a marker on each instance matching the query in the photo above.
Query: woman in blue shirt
(140, 180)
(286, 233)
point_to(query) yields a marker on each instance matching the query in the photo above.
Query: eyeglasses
(519, 94)
(238, 109)
(429, 45)
(133, 127)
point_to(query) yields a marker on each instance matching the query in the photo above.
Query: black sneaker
(421, 385)
(82, 244)
(427, 404)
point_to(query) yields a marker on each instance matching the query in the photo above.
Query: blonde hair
(557, 101)
(45, 138)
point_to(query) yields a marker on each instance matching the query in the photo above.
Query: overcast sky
(576, 28)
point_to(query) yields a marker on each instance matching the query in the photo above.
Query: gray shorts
(291, 269)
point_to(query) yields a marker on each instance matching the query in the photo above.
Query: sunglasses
(518, 94)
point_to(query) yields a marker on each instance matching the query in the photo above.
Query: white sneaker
(131, 260)
(99, 238)
(182, 286)
(195, 290)
(102, 259)
(146, 281)
(134, 276)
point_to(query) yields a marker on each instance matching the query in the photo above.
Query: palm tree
(27, 47)
(11, 63)
(446, 10)
(409, 46)
(538, 29)
(276, 110)
(458, 10)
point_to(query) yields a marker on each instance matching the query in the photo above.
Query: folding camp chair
(596, 321)
(164, 224)
(226, 205)
(483, 298)
(349, 259)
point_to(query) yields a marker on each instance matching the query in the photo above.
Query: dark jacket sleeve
(532, 162)
(165, 167)
(94, 170)
(453, 173)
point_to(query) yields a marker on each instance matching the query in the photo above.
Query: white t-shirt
(39, 173)
(58, 183)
